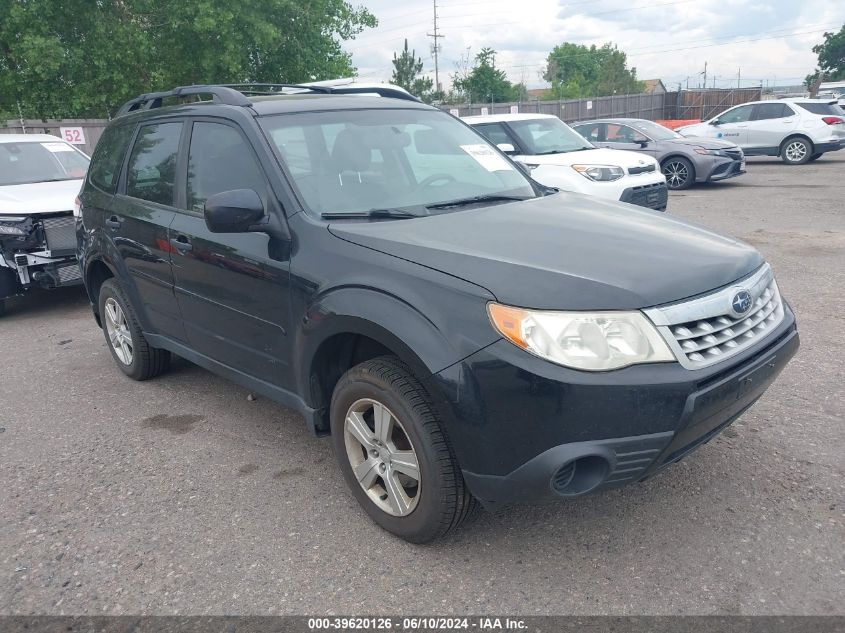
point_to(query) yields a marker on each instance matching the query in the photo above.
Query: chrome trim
(704, 331)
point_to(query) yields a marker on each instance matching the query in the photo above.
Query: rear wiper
(397, 214)
(476, 199)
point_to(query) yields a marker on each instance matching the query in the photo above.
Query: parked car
(40, 177)
(462, 332)
(797, 130)
(683, 161)
(560, 157)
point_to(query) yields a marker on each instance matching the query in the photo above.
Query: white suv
(797, 130)
(560, 157)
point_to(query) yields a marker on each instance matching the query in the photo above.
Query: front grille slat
(715, 334)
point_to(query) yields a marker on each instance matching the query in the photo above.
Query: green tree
(831, 55)
(407, 68)
(66, 58)
(485, 82)
(575, 70)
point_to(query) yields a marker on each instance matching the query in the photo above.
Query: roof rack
(151, 100)
(236, 94)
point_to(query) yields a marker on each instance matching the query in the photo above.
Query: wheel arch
(793, 136)
(97, 271)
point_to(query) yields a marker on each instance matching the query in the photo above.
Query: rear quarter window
(824, 109)
(108, 157)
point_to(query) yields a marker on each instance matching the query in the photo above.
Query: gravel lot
(179, 495)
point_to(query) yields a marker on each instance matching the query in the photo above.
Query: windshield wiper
(397, 214)
(476, 199)
(563, 151)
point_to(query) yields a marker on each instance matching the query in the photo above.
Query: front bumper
(653, 196)
(524, 429)
(727, 169)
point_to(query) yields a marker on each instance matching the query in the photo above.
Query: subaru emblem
(741, 302)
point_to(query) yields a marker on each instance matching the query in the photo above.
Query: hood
(697, 129)
(598, 156)
(565, 251)
(39, 197)
(706, 143)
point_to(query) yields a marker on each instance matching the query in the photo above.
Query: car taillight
(833, 120)
(77, 208)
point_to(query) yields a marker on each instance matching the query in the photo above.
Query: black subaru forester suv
(461, 332)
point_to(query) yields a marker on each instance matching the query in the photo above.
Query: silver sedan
(684, 161)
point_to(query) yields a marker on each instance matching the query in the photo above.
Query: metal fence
(685, 104)
(91, 128)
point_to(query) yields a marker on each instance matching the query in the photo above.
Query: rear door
(233, 296)
(733, 125)
(769, 124)
(138, 219)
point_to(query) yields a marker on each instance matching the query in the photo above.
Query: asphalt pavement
(182, 496)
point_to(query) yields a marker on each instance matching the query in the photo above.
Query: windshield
(654, 131)
(25, 163)
(354, 161)
(548, 136)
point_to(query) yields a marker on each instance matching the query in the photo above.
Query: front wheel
(679, 173)
(796, 151)
(125, 340)
(394, 453)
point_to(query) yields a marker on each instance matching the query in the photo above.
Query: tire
(815, 157)
(796, 151)
(679, 172)
(124, 338)
(418, 509)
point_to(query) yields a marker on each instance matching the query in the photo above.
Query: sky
(750, 41)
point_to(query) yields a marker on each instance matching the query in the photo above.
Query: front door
(137, 222)
(234, 297)
(733, 125)
(619, 136)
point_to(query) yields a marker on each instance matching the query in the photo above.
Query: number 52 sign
(73, 135)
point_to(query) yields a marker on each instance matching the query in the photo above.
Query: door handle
(181, 243)
(114, 222)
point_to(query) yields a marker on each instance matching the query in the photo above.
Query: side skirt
(282, 396)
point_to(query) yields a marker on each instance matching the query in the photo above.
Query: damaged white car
(40, 178)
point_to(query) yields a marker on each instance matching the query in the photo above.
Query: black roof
(271, 98)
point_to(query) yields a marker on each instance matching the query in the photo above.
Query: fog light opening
(580, 476)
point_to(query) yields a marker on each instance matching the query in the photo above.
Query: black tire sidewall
(690, 173)
(424, 522)
(110, 290)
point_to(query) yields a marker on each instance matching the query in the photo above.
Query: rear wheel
(815, 157)
(796, 151)
(679, 173)
(125, 340)
(394, 454)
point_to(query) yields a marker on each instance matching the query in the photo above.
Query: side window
(591, 132)
(108, 157)
(220, 160)
(737, 115)
(763, 111)
(495, 133)
(625, 134)
(152, 164)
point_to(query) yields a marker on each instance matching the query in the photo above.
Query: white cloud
(670, 39)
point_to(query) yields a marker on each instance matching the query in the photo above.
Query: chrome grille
(706, 330)
(60, 233)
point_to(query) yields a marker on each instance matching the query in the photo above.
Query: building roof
(654, 85)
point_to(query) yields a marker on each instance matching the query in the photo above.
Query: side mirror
(715, 122)
(507, 148)
(236, 211)
(642, 143)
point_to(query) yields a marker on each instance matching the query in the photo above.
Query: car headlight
(709, 152)
(600, 173)
(592, 341)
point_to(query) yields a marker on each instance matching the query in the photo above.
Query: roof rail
(151, 100)
(236, 94)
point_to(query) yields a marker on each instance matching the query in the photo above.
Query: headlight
(600, 173)
(709, 152)
(592, 341)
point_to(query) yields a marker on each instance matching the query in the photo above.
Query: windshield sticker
(486, 157)
(57, 147)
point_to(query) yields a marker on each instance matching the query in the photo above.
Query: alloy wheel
(117, 329)
(796, 151)
(676, 174)
(382, 457)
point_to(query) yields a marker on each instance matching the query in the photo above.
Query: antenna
(435, 49)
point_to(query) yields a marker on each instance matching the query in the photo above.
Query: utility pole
(435, 49)
(738, 77)
(705, 76)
